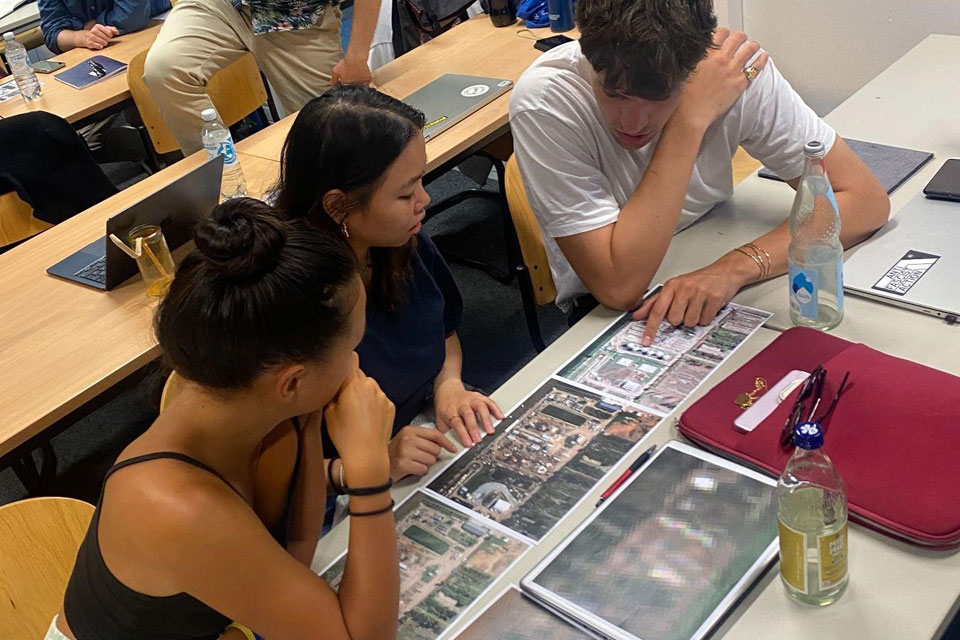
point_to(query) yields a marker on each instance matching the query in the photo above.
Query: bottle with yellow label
(813, 522)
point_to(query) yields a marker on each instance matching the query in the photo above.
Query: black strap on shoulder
(173, 455)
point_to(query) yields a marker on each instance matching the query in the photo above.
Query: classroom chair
(170, 389)
(17, 221)
(516, 268)
(237, 90)
(39, 539)
(541, 289)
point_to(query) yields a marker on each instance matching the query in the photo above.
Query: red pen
(626, 474)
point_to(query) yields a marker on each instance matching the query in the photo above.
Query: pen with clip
(97, 68)
(626, 474)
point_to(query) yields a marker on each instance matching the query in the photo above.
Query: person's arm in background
(127, 15)
(353, 68)
(63, 30)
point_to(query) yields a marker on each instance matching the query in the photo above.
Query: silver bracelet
(342, 484)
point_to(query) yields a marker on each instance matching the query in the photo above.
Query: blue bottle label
(226, 150)
(804, 287)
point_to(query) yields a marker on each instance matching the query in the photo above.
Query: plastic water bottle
(23, 73)
(218, 142)
(813, 522)
(815, 255)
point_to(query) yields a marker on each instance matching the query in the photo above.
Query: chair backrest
(39, 539)
(170, 390)
(236, 91)
(528, 233)
(16, 220)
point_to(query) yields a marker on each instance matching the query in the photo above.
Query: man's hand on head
(719, 78)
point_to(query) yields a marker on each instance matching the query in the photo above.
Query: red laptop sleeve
(894, 435)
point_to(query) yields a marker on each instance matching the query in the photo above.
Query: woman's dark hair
(257, 291)
(645, 48)
(346, 139)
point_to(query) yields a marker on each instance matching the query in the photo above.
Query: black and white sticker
(908, 270)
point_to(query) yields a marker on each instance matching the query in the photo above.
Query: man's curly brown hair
(645, 48)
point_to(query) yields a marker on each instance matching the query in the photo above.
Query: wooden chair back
(39, 539)
(16, 220)
(170, 390)
(236, 91)
(528, 233)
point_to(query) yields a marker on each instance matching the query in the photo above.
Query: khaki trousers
(200, 37)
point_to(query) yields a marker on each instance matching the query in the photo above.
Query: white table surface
(25, 16)
(896, 591)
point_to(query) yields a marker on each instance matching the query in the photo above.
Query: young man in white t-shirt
(626, 137)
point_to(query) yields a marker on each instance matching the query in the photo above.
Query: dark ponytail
(256, 292)
(346, 139)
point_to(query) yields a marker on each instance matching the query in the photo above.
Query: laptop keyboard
(96, 271)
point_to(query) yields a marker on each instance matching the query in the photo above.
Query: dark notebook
(892, 165)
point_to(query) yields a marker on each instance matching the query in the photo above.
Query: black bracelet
(337, 490)
(360, 514)
(367, 491)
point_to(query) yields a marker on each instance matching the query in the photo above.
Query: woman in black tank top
(214, 513)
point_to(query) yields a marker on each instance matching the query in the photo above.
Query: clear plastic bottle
(218, 141)
(23, 73)
(815, 255)
(813, 522)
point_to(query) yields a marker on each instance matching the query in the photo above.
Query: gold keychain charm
(746, 399)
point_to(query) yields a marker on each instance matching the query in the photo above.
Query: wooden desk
(475, 47)
(75, 104)
(62, 344)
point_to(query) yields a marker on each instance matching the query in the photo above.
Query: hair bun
(242, 237)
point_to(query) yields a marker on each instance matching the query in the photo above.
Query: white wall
(828, 49)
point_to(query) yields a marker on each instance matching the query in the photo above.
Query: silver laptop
(451, 98)
(913, 261)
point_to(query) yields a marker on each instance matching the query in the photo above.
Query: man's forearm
(647, 221)
(365, 14)
(68, 39)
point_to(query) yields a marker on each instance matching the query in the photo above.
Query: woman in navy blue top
(353, 164)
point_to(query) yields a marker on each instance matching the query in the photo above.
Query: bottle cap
(813, 148)
(808, 435)
(8, 35)
(209, 114)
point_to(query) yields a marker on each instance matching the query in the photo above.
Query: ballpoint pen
(626, 474)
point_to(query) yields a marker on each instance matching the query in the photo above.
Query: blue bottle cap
(808, 435)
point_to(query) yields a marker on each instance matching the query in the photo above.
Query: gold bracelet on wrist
(756, 259)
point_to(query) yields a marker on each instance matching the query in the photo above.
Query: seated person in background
(68, 24)
(627, 136)
(352, 164)
(214, 513)
(49, 166)
(296, 44)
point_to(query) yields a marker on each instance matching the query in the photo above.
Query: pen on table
(626, 474)
(98, 69)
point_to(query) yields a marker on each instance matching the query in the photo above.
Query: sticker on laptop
(475, 90)
(906, 272)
